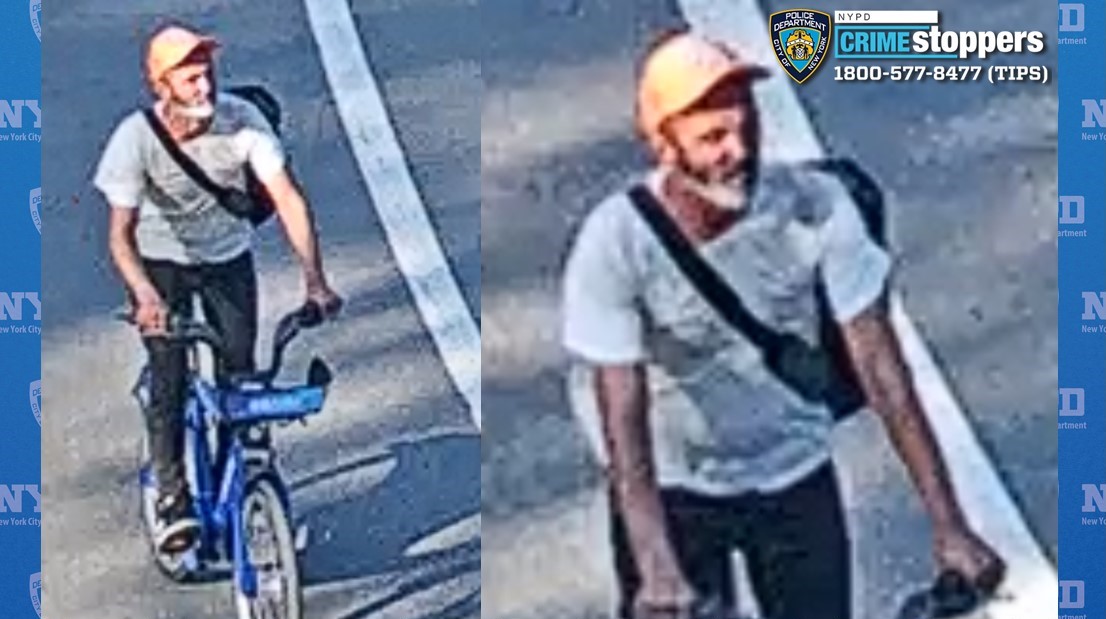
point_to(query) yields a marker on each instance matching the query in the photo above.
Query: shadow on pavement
(369, 533)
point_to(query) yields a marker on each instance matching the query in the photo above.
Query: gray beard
(731, 195)
(202, 111)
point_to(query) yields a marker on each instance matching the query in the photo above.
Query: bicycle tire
(262, 491)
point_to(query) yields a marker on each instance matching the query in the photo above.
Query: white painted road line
(396, 198)
(790, 135)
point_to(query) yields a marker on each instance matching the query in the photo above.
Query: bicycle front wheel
(270, 554)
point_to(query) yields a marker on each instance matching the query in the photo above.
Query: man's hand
(150, 312)
(961, 550)
(664, 596)
(326, 298)
(882, 369)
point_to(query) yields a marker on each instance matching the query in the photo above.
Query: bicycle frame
(220, 479)
(218, 492)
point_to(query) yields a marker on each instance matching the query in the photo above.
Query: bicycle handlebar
(188, 330)
(952, 595)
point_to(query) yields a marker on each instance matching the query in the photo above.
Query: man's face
(190, 88)
(717, 142)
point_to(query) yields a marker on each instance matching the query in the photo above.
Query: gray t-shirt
(721, 422)
(179, 221)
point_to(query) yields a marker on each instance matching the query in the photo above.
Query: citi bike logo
(36, 592)
(36, 400)
(36, 18)
(13, 499)
(1071, 594)
(35, 200)
(18, 113)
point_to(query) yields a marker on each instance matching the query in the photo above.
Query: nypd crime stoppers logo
(800, 38)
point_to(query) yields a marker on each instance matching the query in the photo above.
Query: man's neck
(181, 128)
(700, 220)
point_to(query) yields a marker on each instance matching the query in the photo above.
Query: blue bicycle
(239, 494)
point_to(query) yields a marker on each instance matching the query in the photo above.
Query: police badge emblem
(36, 208)
(36, 401)
(36, 592)
(800, 39)
(36, 18)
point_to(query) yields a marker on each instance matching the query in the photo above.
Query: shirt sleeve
(855, 269)
(602, 322)
(263, 148)
(120, 175)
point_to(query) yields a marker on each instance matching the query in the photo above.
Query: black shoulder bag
(254, 204)
(821, 375)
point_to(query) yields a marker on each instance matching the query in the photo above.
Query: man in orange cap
(172, 238)
(707, 447)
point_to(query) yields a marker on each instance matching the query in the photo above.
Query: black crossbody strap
(710, 285)
(190, 167)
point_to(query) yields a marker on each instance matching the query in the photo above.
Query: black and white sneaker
(177, 527)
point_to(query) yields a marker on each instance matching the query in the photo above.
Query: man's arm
(150, 311)
(124, 249)
(623, 404)
(887, 380)
(299, 227)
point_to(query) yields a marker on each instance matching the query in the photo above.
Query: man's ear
(665, 149)
(160, 89)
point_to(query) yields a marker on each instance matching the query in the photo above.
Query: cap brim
(206, 45)
(750, 72)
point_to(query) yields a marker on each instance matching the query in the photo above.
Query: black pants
(228, 297)
(794, 543)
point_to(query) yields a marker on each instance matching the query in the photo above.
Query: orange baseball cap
(172, 45)
(681, 70)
